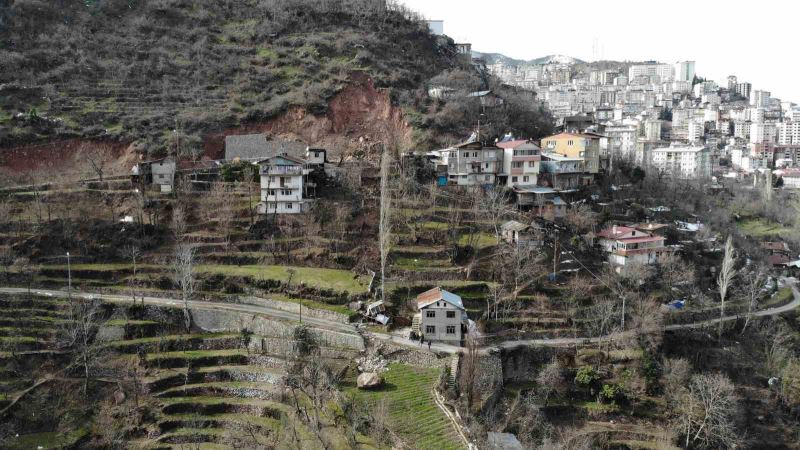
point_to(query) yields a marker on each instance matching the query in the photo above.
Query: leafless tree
(179, 224)
(675, 377)
(675, 272)
(493, 205)
(550, 380)
(183, 276)
(470, 366)
(707, 411)
(98, 160)
(752, 286)
(726, 274)
(385, 225)
(77, 335)
(133, 252)
(581, 218)
(602, 317)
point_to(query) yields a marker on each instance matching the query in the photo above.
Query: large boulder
(369, 380)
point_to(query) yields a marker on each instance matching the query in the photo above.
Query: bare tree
(385, 226)
(675, 272)
(675, 377)
(707, 411)
(752, 286)
(133, 252)
(98, 160)
(77, 335)
(493, 204)
(469, 372)
(179, 224)
(550, 380)
(726, 274)
(581, 218)
(183, 276)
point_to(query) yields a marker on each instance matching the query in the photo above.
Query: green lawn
(337, 280)
(412, 412)
(49, 440)
(761, 228)
(482, 240)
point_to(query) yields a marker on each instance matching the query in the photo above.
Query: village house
(284, 185)
(563, 172)
(520, 235)
(543, 201)
(441, 318)
(521, 161)
(627, 246)
(472, 163)
(585, 146)
(159, 173)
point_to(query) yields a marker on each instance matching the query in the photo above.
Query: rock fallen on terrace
(369, 380)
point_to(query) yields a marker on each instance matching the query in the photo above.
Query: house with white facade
(627, 246)
(441, 318)
(684, 162)
(521, 163)
(284, 185)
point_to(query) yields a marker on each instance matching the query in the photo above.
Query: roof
(515, 143)
(581, 135)
(256, 147)
(479, 94)
(558, 202)
(561, 158)
(436, 294)
(290, 158)
(513, 225)
(650, 226)
(538, 190)
(503, 441)
(639, 240)
(615, 232)
(779, 259)
(775, 246)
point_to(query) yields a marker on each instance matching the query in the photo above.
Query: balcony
(281, 170)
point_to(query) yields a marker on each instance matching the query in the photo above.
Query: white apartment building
(760, 99)
(284, 185)
(741, 129)
(683, 161)
(652, 129)
(763, 133)
(665, 72)
(521, 163)
(696, 131)
(621, 139)
(684, 71)
(789, 133)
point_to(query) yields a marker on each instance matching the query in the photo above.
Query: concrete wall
(295, 308)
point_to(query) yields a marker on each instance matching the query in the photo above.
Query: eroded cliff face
(359, 121)
(72, 158)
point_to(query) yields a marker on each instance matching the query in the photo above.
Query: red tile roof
(615, 232)
(514, 144)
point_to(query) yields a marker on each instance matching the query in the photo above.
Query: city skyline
(625, 31)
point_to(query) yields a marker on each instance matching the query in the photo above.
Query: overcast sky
(756, 41)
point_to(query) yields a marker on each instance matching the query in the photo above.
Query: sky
(756, 41)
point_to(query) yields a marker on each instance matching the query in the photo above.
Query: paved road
(280, 314)
(272, 313)
(560, 342)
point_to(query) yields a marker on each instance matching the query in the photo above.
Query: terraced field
(412, 412)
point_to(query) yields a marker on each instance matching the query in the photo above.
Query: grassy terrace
(413, 414)
(337, 280)
(762, 228)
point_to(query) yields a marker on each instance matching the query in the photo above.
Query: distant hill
(492, 58)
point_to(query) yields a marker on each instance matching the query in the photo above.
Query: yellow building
(576, 145)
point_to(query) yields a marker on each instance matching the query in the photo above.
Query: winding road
(280, 314)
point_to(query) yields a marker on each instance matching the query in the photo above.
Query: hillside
(157, 73)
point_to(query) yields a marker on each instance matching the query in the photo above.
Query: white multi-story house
(621, 139)
(521, 163)
(763, 133)
(472, 164)
(682, 161)
(628, 246)
(441, 318)
(665, 72)
(684, 71)
(284, 185)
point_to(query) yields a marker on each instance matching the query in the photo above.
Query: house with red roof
(441, 318)
(626, 246)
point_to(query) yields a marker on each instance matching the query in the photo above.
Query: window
(514, 179)
(474, 154)
(531, 164)
(289, 205)
(525, 179)
(430, 314)
(486, 166)
(451, 329)
(570, 143)
(451, 314)
(487, 178)
(271, 192)
(430, 329)
(516, 165)
(286, 192)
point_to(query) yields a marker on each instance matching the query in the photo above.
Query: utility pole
(555, 256)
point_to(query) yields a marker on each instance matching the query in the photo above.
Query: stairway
(415, 323)
(454, 360)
